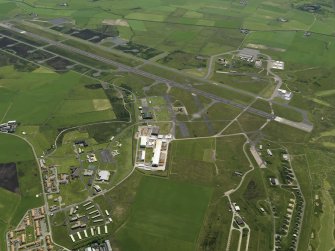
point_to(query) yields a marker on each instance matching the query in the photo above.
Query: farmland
(81, 77)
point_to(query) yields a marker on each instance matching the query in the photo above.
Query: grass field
(287, 113)
(69, 101)
(72, 100)
(8, 204)
(173, 219)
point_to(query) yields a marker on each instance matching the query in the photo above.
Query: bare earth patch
(117, 22)
(264, 47)
(101, 104)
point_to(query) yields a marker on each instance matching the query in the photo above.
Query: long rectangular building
(142, 158)
(143, 141)
(157, 153)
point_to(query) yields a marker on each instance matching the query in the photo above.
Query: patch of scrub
(328, 133)
(115, 22)
(328, 144)
(43, 70)
(325, 93)
(101, 104)
(326, 237)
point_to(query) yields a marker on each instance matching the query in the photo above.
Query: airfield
(202, 126)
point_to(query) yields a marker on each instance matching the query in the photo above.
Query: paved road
(142, 73)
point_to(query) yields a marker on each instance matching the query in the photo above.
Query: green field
(66, 96)
(165, 213)
(185, 207)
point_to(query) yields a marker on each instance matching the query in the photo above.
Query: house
(75, 172)
(97, 188)
(91, 158)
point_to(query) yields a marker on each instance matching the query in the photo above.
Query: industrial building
(287, 95)
(8, 127)
(157, 153)
(155, 130)
(142, 155)
(279, 65)
(104, 175)
(249, 55)
(143, 141)
(149, 138)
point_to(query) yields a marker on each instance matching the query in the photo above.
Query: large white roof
(104, 175)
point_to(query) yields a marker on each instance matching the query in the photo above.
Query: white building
(287, 95)
(269, 152)
(142, 156)
(143, 141)
(236, 207)
(277, 65)
(104, 175)
(157, 153)
(97, 188)
(91, 158)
